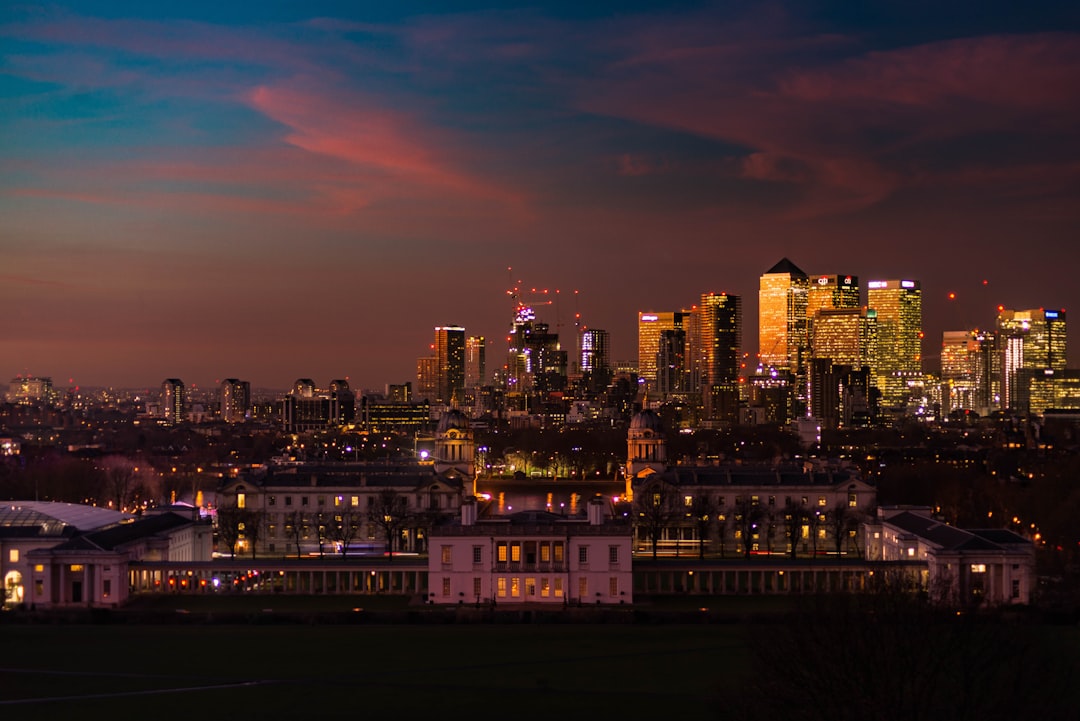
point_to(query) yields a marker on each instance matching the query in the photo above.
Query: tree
(794, 519)
(749, 516)
(230, 520)
(253, 524)
(294, 528)
(344, 527)
(389, 513)
(841, 519)
(703, 509)
(320, 524)
(122, 480)
(654, 510)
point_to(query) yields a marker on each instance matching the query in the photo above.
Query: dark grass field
(259, 657)
(525, 671)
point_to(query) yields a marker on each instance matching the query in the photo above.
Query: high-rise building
(427, 378)
(841, 342)
(235, 400)
(475, 361)
(450, 365)
(898, 307)
(672, 373)
(173, 400)
(30, 389)
(1030, 341)
(959, 369)
(782, 330)
(828, 292)
(595, 359)
(716, 346)
(651, 326)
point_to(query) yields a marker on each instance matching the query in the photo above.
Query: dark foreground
(823, 660)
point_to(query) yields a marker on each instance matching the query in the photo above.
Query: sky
(281, 190)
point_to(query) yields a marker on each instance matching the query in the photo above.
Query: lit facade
(651, 328)
(898, 307)
(173, 400)
(783, 293)
(475, 361)
(450, 365)
(1031, 342)
(716, 352)
(235, 398)
(826, 292)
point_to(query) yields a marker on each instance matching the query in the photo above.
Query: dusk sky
(279, 190)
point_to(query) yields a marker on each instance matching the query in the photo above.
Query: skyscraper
(651, 326)
(173, 400)
(898, 307)
(716, 345)
(782, 301)
(827, 292)
(1031, 342)
(475, 361)
(235, 400)
(595, 359)
(450, 365)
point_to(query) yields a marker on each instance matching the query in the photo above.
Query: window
(477, 586)
(545, 553)
(530, 588)
(13, 555)
(852, 500)
(354, 501)
(446, 585)
(557, 549)
(688, 501)
(772, 500)
(338, 500)
(583, 554)
(1016, 588)
(613, 554)
(582, 587)
(515, 553)
(613, 586)
(39, 587)
(500, 584)
(303, 500)
(805, 500)
(557, 585)
(477, 554)
(500, 552)
(241, 500)
(321, 500)
(822, 501)
(272, 530)
(288, 500)
(515, 587)
(271, 500)
(447, 554)
(978, 568)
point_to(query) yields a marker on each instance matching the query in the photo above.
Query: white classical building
(531, 557)
(962, 566)
(66, 555)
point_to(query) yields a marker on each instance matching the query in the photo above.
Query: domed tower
(454, 446)
(646, 447)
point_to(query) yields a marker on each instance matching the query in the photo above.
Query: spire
(787, 267)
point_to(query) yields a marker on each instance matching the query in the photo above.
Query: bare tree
(841, 519)
(749, 516)
(254, 523)
(320, 524)
(121, 476)
(294, 528)
(344, 527)
(654, 510)
(794, 520)
(230, 520)
(703, 509)
(389, 513)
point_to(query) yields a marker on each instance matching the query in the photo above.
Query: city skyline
(281, 192)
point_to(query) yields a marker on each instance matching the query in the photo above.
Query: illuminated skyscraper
(826, 292)
(1030, 342)
(898, 306)
(841, 349)
(173, 400)
(235, 400)
(450, 365)
(960, 369)
(427, 378)
(595, 359)
(782, 300)
(716, 346)
(651, 325)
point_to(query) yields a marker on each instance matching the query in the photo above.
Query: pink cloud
(373, 138)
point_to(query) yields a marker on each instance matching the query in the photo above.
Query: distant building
(30, 390)
(449, 365)
(235, 400)
(716, 355)
(173, 400)
(898, 310)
